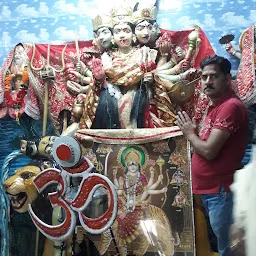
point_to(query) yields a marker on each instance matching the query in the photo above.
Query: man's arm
(208, 149)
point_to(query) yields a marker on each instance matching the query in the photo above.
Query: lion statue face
(20, 188)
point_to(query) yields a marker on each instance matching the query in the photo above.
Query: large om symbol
(89, 184)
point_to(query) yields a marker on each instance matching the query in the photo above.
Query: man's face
(104, 36)
(143, 32)
(123, 35)
(214, 83)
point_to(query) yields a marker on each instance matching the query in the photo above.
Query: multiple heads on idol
(141, 24)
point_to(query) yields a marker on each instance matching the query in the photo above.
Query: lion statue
(20, 188)
(21, 191)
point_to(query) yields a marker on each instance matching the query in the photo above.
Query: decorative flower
(176, 159)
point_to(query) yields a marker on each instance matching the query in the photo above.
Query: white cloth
(244, 190)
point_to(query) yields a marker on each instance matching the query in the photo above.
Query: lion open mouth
(17, 201)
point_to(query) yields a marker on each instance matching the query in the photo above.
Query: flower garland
(15, 102)
(25, 75)
(9, 77)
(8, 82)
(10, 102)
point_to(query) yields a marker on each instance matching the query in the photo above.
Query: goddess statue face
(123, 35)
(155, 32)
(143, 32)
(104, 36)
(19, 55)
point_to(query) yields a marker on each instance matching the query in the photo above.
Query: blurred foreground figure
(243, 235)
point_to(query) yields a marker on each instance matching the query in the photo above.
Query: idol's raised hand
(97, 69)
(165, 48)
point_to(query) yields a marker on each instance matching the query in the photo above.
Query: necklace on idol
(131, 193)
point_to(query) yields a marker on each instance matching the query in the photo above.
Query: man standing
(219, 148)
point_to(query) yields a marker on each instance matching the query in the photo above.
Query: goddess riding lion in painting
(138, 224)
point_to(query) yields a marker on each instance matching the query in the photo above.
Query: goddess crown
(121, 14)
(101, 21)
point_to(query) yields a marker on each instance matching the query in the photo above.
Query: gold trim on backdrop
(128, 136)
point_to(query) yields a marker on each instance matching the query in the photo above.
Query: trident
(47, 73)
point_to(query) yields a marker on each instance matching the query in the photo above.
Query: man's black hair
(223, 64)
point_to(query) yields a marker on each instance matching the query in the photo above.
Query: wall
(52, 21)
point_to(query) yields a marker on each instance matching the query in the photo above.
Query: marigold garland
(9, 77)
(8, 84)
(25, 76)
